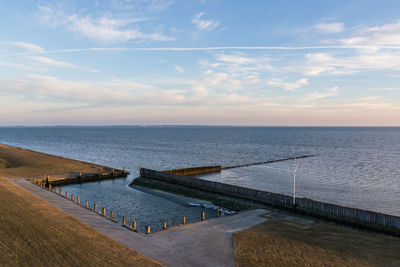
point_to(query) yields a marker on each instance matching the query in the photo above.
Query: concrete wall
(361, 218)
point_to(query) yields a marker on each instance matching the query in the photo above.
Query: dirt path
(207, 243)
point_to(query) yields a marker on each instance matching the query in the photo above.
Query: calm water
(357, 167)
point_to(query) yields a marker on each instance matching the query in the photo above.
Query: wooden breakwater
(79, 178)
(267, 162)
(195, 170)
(361, 218)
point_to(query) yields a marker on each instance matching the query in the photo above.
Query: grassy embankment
(35, 233)
(280, 242)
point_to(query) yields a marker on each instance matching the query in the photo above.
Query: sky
(200, 62)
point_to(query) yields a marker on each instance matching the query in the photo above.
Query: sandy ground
(35, 233)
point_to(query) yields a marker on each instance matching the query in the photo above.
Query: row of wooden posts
(103, 211)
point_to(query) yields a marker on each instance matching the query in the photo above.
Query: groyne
(266, 162)
(361, 218)
(79, 178)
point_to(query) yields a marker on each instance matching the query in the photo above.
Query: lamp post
(294, 181)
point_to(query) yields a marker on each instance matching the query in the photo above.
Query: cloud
(103, 29)
(387, 34)
(26, 46)
(317, 63)
(51, 89)
(318, 95)
(179, 69)
(204, 25)
(330, 27)
(385, 89)
(143, 6)
(238, 59)
(288, 86)
(56, 63)
(52, 62)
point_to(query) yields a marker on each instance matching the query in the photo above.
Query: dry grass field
(35, 233)
(279, 242)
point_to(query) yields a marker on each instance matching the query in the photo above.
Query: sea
(354, 166)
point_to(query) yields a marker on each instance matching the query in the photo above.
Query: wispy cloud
(385, 89)
(288, 86)
(26, 46)
(203, 24)
(179, 69)
(103, 29)
(387, 34)
(57, 63)
(334, 27)
(318, 95)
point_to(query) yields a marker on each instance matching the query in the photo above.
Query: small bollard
(111, 214)
(164, 225)
(78, 200)
(66, 194)
(203, 216)
(218, 212)
(113, 173)
(56, 189)
(147, 229)
(183, 219)
(50, 187)
(87, 204)
(59, 191)
(134, 225)
(123, 220)
(95, 207)
(80, 174)
(72, 197)
(104, 212)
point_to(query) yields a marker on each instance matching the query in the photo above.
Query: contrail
(214, 48)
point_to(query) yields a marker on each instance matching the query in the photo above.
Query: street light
(294, 181)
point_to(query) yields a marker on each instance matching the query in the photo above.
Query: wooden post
(203, 216)
(66, 194)
(147, 229)
(104, 212)
(164, 225)
(59, 191)
(123, 220)
(95, 207)
(111, 214)
(78, 200)
(50, 187)
(56, 189)
(113, 173)
(218, 212)
(134, 225)
(87, 204)
(72, 197)
(183, 219)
